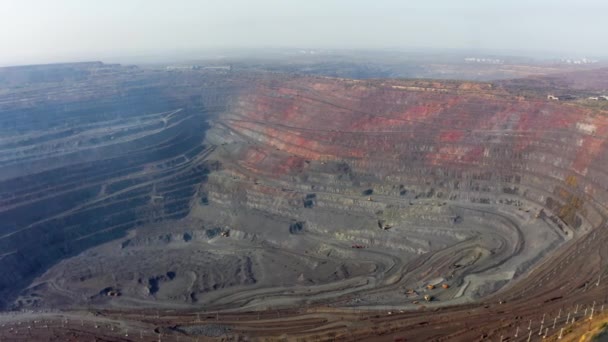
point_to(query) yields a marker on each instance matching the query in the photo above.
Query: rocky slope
(460, 182)
(89, 151)
(458, 141)
(329, 190)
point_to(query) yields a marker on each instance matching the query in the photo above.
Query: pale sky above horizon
(38, 31)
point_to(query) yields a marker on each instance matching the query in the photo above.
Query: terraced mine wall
(89, 151)
(364, 188)
(462, 182)
(445, 141)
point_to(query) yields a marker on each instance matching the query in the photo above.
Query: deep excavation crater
(256, 191)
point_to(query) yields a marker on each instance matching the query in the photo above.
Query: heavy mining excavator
(384, 226)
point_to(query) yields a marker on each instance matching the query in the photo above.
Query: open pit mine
(143, 204)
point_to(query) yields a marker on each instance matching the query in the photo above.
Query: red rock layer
(392, 127)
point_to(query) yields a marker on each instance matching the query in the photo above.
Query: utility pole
(554, 322)
(530, 325)
(561, 333)
(517, 331)
(529, 335)
(567, 319)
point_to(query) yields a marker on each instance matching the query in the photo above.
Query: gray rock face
(89, 151)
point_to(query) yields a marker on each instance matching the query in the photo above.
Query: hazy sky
(54, 30)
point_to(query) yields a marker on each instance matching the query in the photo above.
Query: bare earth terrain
(144, 204)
